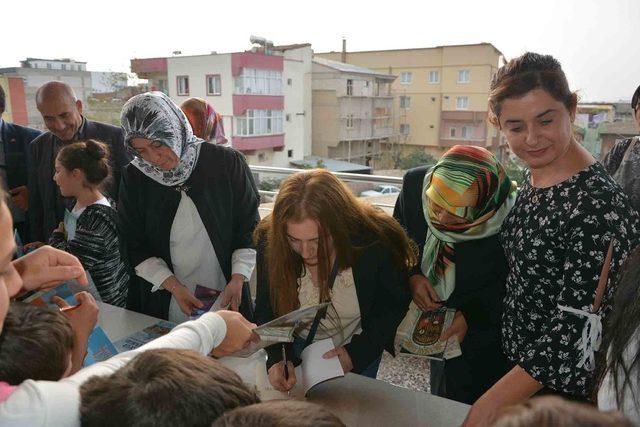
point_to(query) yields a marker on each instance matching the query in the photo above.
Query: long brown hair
(351, 224)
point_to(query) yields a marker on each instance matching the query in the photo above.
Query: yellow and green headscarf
(470, 183)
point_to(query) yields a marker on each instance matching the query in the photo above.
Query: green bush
(415, 159)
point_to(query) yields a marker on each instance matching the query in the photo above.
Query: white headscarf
(154, 116)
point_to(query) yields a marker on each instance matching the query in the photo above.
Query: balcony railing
(348, 177)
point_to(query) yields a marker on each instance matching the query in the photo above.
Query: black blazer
(481, 266)
(224, 192)
(46, 204)
(383, 298)
(16, 141)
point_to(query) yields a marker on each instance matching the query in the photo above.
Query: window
(288, 117)
(289, 81)
(252, 81)
(405, 129)
(289, 153)
(35, 65)
(349, 87)
(183, 85)
(464, 132)
(48, 65)
(214, 85)
(405, 102)
(350, 121)
(259, 122)
(462, 103)
(366, 83)
(434, 77)
(452, 132)
(261, 157)
(64, 66)
(464, 76)
(406, 78)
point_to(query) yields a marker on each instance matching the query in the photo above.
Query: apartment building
(440, 95)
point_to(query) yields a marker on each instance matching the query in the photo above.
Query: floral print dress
(556, 240)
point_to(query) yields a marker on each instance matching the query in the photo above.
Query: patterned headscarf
(205, 121)
(154, 116)
(470, 183)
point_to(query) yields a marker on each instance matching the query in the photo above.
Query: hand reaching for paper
(239, 335)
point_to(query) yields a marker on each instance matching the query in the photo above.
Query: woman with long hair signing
(318, 227)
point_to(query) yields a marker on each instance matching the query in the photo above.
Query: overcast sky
(597, 42)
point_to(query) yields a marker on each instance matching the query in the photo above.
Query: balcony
(249, 144)
(146, 67)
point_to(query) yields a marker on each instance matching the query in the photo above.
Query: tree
(415, 159)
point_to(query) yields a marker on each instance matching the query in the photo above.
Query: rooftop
(350, 68)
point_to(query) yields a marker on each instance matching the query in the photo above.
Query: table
(357, 400)
(119, 323)
(361, 401)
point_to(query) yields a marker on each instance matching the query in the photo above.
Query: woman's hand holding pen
(277, 376)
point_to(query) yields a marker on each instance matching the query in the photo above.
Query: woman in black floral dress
(557, 239)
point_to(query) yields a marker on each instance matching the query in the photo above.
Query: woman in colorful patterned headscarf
(454, 213)
(187, 210)
(205, 121)
(466, 197)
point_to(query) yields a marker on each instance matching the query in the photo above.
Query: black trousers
(467, 377)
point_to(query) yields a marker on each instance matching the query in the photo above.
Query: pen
(284, 359)
(69, 308)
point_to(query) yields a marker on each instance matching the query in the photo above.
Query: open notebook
(312, 371)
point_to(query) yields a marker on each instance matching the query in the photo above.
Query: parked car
(381, 190)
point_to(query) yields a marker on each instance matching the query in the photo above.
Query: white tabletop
(357, 400)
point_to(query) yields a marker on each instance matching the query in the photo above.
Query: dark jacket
(383, 298)
(224, 192)
(46, 204)
(15, 141)
(481, 267)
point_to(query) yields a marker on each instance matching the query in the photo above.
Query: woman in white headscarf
(187, 209)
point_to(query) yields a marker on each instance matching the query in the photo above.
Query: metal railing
(344, 176)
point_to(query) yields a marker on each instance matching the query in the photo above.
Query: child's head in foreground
(36, 343)
(164, 387)
(280, 413)
(552, 411)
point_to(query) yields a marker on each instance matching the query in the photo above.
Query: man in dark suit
(14, 163)
(62, 114)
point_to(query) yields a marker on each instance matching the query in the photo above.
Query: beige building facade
(352, 111)
(440, 94)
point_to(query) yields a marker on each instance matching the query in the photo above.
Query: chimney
(343, 58)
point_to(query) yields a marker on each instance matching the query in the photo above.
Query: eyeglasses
(135, 153)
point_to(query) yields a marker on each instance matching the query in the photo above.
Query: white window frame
(405, 102)
(465, 132)
(435, 81)
(253, 81)
(349, 87)
(217, 88)
(462, 103)
(406, 77)
(350, 121)
(452, 132)
(259, 122)
(182, 85)
(464, 76)
(405, 129)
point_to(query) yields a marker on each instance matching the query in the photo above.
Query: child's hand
(60, 228)
(32, 246)
(84, 318)
(239, 333)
